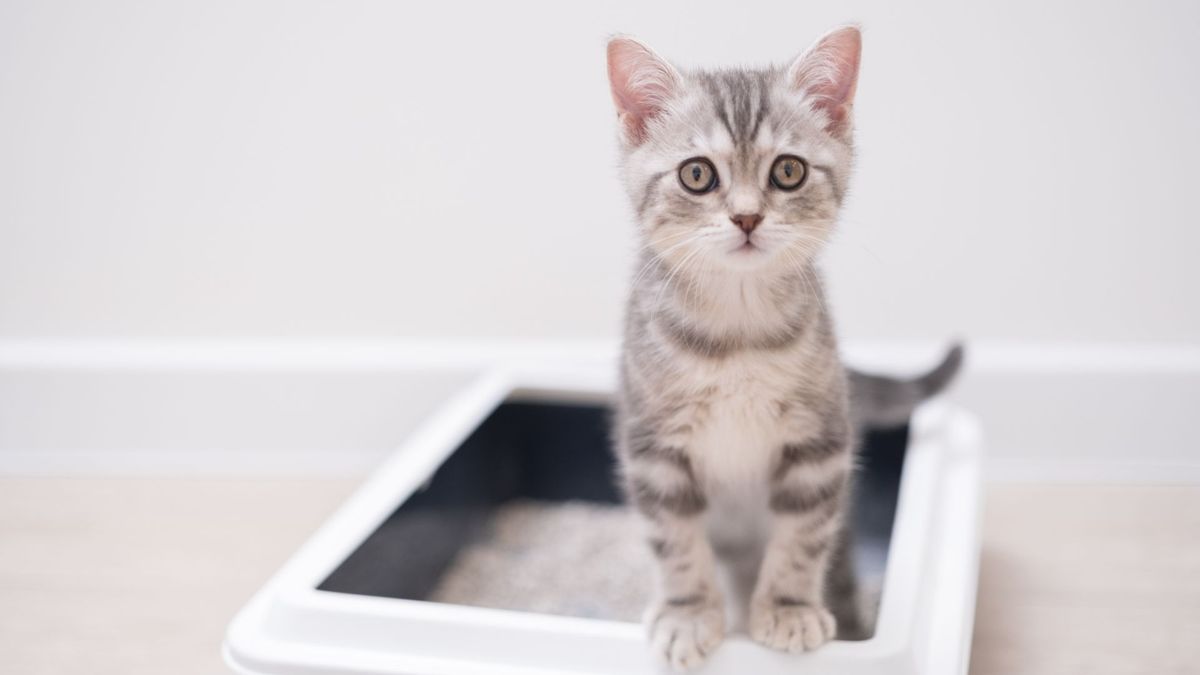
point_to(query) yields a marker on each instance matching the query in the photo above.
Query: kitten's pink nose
(746, 222)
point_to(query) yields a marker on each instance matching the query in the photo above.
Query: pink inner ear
(828, 73)
(642, 84)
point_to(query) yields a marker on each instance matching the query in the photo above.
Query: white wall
(306, 168)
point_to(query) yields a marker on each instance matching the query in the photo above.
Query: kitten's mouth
(746, 247)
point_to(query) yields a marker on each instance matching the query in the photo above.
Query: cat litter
(573, 558)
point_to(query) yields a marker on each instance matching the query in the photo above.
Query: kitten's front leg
(686, 620)
(808, 490)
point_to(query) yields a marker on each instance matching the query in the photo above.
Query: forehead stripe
(761, 113)
(740, 102)
(719, 106)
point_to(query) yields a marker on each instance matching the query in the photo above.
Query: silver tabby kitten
(733, 428)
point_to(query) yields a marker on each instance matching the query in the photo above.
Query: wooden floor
(140, 576)
(1094, 580)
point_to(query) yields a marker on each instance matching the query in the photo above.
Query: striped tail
(879, 402)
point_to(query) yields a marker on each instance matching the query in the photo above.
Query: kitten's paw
(684, 636)
(791, 627)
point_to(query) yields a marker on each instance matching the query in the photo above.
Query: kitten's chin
(747, 256)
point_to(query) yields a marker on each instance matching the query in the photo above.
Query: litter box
(447, 562)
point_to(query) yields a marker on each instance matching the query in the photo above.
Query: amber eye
(698, 175)
(788, 172)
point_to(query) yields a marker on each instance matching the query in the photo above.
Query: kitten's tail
(881, 402)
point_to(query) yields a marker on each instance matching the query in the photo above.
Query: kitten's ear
(828, 74)
(642, 85)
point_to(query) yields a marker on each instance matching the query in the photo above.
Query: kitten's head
(738, 170)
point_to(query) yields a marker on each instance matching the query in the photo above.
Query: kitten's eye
(788, 172)
(698, 175)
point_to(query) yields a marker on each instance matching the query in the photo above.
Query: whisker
(670, 277)
(659, 256)
(811, 285)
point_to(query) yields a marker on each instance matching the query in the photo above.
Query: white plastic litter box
(351, 599)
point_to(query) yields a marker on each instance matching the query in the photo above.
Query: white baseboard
(1051, 412)
(463, 353)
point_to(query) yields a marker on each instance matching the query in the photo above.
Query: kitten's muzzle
(746, 222)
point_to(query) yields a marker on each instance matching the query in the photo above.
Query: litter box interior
(526, 515)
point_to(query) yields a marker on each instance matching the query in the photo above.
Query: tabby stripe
(719, 106)
(815, 549)
(759, 114)
(790, 601)
(686, 600)
(649, 192)
(648, 450)
(838, 191)
(812, 451)
(686, 500)
(801, 498)
(710, 347)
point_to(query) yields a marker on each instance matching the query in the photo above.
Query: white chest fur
(731, 425)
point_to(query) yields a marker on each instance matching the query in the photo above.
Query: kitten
(733, 427)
